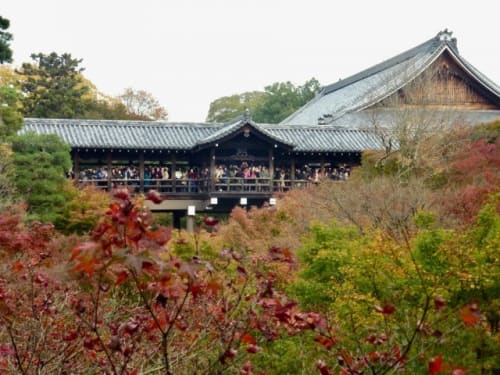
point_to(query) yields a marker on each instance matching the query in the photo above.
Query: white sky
(188, 53)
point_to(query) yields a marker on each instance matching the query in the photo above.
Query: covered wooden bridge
(192, 163)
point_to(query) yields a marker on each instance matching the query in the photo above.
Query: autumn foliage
(373, 275)
(120, 302)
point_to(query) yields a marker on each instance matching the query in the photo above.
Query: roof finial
(445, 35)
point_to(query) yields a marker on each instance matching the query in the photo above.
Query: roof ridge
(235, 126)
(328, 127)
(431, 58)
(434, 42)
(131, 123)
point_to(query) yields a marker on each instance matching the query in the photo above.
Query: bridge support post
(177, 216)
(190, 224)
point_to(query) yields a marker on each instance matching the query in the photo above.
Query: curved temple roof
(374, 84)
(109, 134)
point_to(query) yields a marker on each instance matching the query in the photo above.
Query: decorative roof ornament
(445, 35)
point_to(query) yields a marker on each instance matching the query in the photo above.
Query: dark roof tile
(186, 136)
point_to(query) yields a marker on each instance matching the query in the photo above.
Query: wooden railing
(225, 185)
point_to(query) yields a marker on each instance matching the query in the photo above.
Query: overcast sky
(189, 52)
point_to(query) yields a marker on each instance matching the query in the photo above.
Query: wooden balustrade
(225, 185)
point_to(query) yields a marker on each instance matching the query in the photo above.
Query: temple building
(216, 166)
(431, 76)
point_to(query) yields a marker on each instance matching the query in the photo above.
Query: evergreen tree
(40, 166)
(53, 87)
(11, 118)
(5, 38)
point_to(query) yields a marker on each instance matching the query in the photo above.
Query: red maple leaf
(435, 365)
(248, 339)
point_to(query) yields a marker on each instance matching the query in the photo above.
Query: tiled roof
(122, 134)
(234, 127)
(186, 136)
(326, 138)
(372, 85)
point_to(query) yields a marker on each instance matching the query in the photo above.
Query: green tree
(281, 99)
(229, 107)
(11, 118)
(41, 162)
(5, 38)
(273, 105)
(7, 191)
(53, 86)
(436, 295)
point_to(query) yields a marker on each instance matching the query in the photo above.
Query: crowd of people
(193, 179)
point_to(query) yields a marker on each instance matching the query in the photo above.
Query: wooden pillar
(271, 168)
(322, 165)
(174, 181)
(141, 171)
(212, 169)
(109, 164)
(76, 165)
(292, 170)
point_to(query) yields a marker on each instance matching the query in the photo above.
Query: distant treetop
(5, 38)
